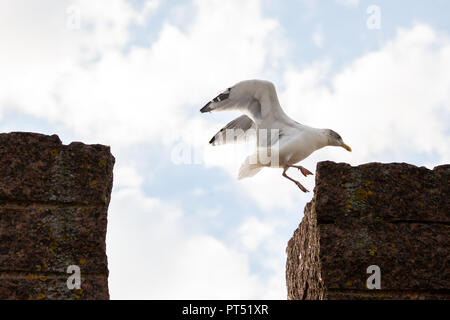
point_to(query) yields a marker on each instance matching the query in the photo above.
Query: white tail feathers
(248, 169)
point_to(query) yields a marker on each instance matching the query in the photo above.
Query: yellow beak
(346, 147)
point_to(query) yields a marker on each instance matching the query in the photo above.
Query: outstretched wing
(255, 98)
(235, 131)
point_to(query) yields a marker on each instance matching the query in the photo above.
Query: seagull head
(334, 139)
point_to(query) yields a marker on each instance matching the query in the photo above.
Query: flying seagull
(284, 141)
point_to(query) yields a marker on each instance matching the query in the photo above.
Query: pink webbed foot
(303, 170)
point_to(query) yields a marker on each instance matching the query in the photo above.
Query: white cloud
(41, 56)
(127, 177)
(253, 232)
(86, 82)
(155, 252)
(388, 101)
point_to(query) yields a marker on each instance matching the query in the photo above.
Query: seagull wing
(257, 99)
(235, 131)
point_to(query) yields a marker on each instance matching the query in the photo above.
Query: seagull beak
(346, 147)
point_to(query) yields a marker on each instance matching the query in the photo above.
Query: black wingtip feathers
(206, 108)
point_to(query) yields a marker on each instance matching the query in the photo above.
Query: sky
(133, 74)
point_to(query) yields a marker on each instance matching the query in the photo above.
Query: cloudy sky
(133, 74)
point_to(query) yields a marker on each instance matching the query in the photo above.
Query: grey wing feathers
(257, 99)
(239, 97)
(234, 131)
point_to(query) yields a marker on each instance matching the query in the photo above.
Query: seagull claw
(305, 171)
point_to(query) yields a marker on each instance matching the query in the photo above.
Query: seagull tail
(248, 169)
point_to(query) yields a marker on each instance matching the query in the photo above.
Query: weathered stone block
(53, 213)
(395, 216)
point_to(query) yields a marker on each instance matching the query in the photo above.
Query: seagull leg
(295, 181)
(304, 171)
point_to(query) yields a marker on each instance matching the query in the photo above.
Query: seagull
(283, 141)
